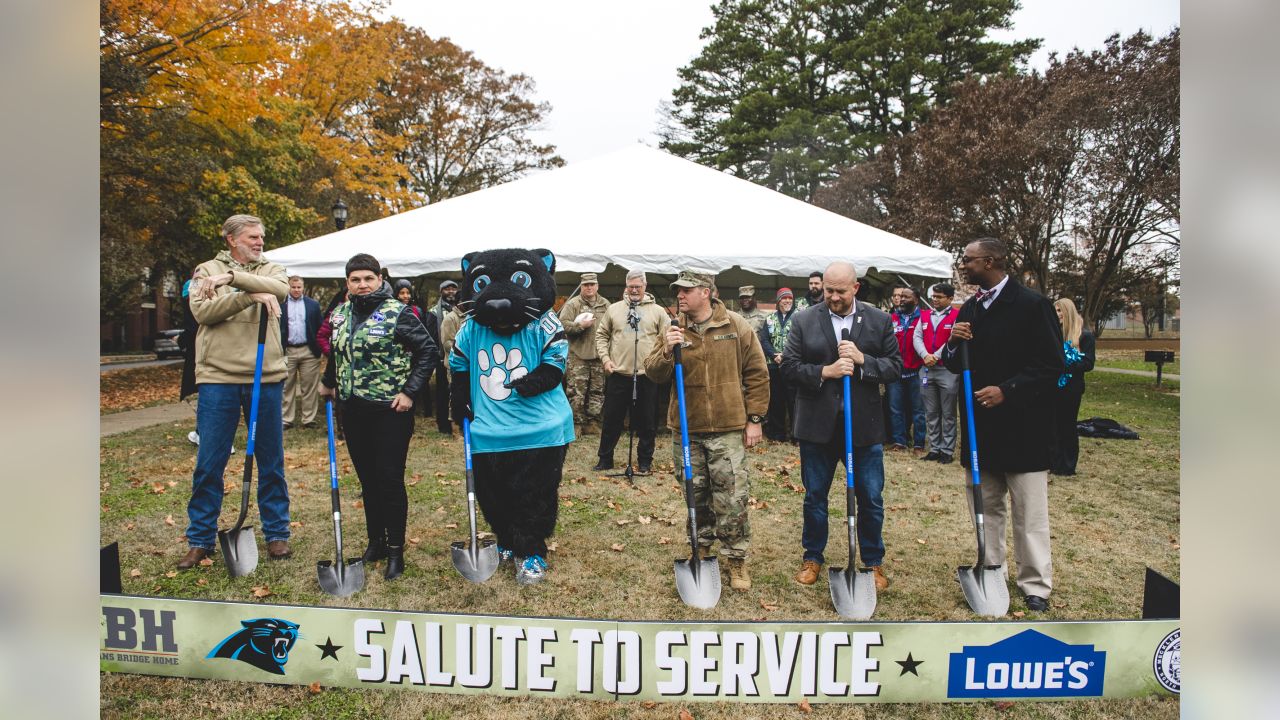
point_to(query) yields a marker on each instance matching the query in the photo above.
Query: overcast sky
(605, 66)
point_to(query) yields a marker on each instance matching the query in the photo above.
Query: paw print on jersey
(506, 368)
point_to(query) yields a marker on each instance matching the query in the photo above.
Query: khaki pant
(721, 489)
(301, 385)
(1029, 497)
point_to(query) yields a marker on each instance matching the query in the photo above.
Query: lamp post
(339, 214)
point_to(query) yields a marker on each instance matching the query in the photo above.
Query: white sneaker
(193, 437)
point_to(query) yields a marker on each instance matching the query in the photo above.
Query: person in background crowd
(726, 394)
(442, 308)
(815, 291)
(747, 308)
(1015, 358)
(585, 378)
(1078, 347)
(382, 356)
(625, 335)
(403, 290)
(939, 386)
(906, 407)
(782, 396)
(227, 296)
(299, 325)
(816, 361)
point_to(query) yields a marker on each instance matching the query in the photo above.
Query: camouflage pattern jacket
(582, 341)
(379, 349)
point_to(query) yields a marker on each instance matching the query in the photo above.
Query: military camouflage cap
(747, 291)
(689, 279)
(588, 278)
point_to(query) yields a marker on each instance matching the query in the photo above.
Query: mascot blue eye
(481, 283)
(521, 278)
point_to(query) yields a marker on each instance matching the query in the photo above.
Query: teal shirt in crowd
(504, 419)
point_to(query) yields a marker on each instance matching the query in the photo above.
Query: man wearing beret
(585, 377)
(726, 396)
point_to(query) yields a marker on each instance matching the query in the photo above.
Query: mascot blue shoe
(508, 361)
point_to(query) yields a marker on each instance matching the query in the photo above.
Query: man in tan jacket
(227, 294)
(585, 376)
(726, 390)
(625, 334)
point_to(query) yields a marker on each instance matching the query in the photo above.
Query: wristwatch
(757, 419)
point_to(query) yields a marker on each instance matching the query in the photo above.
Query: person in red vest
(906, 407)
(939, 386)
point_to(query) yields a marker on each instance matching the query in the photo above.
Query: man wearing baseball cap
(585, 376)
(726, 396)
(442, 308)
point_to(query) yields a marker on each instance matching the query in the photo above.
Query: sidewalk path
(1142, 373)
(121, 422)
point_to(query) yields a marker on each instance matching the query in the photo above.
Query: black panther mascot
(508, 360)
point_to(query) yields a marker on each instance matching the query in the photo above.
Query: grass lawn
(1132, 360)
(1119, 515)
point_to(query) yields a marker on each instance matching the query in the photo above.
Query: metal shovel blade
(478, 565)
(984, 589)
(239, 550)
(341, 580)
(852, 592)
(698, 582)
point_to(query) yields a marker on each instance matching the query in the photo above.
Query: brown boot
(739, 576)
(808, 574)
(278, 549)
(193, 558)
(882, 582)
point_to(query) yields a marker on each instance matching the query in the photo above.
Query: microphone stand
(633, 319)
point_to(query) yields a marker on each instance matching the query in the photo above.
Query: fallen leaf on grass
(1004, 705)
(158, 488)
(482, 535)
(168, 520)
(624, 521)
(228, 487)
(617, 547)
(805, 707)
(414, 540)
(439, 474)
(171, 574)
(648, 704)
(685, 714)
(1019, 614)
(135, 573)
(128, 526)
(439, 508)
(202, 582)
(553, 546)
(664, 540)
(568, 503)
(357, 504)
(261, 591)
(645, 519)
(315, 688)
(768, 605)
(295, 524)
(207, 562)
(106, 508)
(921, 541)
(611, 505)
(451, 526)
(414, 480)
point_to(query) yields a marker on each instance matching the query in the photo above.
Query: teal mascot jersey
(508, 361)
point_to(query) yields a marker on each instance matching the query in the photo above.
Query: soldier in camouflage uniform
(726, 396)
(747, 307)
(382, 357)
(584, 382)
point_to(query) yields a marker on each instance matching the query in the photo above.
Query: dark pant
(617, 407)
(906, 410)
(817, 466)
(782, 406)
(1066, 441)
(378, 443)
(442, 401)
(519, 494)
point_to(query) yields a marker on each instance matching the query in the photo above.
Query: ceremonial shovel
(476, 562)
(338, 577)
(853, 592)
(983, 585)
(697, 580)
(239, 546)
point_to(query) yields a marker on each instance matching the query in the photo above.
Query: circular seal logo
(377, 316)
(1167, 663)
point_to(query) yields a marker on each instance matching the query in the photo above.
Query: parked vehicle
(167, 344)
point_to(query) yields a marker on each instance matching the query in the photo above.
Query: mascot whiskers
(508, 360)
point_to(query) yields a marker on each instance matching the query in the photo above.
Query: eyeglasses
(965, 259)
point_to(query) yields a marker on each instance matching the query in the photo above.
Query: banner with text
(678, 661)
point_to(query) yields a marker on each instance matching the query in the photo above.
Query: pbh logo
(1029, 664)
(263, 643)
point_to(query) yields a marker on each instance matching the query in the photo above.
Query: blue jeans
(217, 418)
(817, 466)
(904, 396)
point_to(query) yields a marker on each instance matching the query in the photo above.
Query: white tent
(639, 208)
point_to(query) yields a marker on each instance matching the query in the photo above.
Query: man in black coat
(1015, 356)
(815, 363)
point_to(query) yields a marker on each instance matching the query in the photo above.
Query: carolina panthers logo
(263, 643)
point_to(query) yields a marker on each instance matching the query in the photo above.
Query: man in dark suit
(1015, 356)
(299, 323)
(815, 362)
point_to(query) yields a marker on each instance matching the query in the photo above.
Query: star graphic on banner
(328, 649)
(909, 666)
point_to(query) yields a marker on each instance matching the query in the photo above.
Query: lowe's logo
(1029, 664)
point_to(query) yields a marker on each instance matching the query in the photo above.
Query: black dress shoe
(395, 562)
(602, 465)
(1037, 604)
(645, 469)
(377, 550)
(944, 458)
(933, 455)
